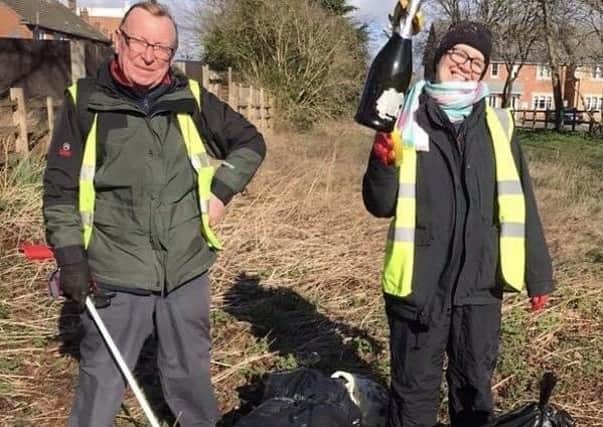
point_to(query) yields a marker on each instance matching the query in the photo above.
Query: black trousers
(181, 322)
(469, 335)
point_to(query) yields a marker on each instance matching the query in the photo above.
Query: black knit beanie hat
(470, 33)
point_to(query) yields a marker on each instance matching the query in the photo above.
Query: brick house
(45, 20)
(104, 19)
(533, 88)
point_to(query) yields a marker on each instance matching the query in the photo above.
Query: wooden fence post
(262, 115)
(250, 106)
(77, 50)
(205, 71)
(235, 91)
(50, 108)
(272, 111)
(20, 119)
(231, 92)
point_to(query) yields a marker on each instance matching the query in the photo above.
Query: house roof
(52, 15)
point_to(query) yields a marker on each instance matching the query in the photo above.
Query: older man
(129, 201)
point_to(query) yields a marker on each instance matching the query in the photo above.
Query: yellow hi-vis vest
(399, 256)
(196, 153)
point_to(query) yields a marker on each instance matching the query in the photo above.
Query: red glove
(383, 148)
(36, 252)
(538, 302)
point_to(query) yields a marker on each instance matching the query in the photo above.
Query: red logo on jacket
(65, 150)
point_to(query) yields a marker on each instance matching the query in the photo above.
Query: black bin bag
(303, 397)
(538, 414)
(285, 412)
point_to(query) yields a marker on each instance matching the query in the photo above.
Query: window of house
(593, 103)
(543, 72)
(494, 70)
(542, 102)
(515, 70)
(492, 100)
(598, 71)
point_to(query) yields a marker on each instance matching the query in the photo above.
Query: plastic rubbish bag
(538, 414)
(368, 395)
(303, 398)
(286, 412)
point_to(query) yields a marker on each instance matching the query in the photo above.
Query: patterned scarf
(455, 98)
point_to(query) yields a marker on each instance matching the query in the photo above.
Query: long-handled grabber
(44, 253)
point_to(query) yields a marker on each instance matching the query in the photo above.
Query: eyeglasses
(459, 57)
(140, 46)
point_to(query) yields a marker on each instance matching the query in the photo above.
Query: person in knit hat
(472, 36)
(465, 229)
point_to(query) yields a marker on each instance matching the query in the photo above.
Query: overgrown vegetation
(307, 53)
(298, 284)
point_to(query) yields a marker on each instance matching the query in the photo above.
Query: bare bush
(312, 61)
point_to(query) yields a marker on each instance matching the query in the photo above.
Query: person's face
(460, 63)
(145, 47)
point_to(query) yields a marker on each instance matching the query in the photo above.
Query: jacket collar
(439, 119)
(442, 133)
(113, 93)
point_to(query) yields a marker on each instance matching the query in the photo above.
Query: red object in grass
(36, 252)
(538, 302)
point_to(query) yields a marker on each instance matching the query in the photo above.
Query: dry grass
(298, 284)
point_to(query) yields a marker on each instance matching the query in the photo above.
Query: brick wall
(535, 81)
(530, 82)
(589, 86)
(11, 26)
(106, 25)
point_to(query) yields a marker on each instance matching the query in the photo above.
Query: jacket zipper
(423, 312)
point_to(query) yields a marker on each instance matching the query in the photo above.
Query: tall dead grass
(298, 283)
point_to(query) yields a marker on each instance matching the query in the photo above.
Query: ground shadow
(294, 327)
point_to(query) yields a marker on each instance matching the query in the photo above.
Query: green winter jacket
(146, 235)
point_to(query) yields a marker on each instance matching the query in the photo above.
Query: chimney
(71, 4)
(84, 14)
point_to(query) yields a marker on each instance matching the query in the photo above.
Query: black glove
(76, 281)
(100, 298)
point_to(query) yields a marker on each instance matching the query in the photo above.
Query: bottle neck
(406, 31)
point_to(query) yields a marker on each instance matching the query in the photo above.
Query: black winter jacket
(456, 240)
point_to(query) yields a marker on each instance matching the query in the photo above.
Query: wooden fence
(545, 119)
(15, 129)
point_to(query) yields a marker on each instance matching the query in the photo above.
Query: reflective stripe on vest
(200, 161)
(511, 201)
(399, 255)
(195, 151)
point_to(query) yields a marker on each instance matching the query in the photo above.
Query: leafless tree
(516, 31)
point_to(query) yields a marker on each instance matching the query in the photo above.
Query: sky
(372, 12)
(376, 10)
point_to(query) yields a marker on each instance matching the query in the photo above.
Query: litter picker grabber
(44, 253)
